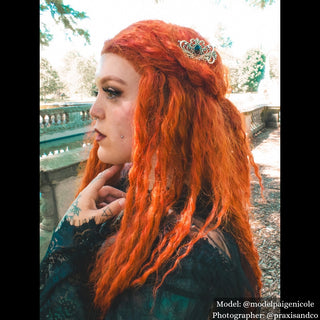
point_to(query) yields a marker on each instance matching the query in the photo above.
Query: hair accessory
(197, 49)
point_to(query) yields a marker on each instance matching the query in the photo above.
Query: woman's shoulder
(215, 263)
(207, 268)
(216, 246)
(212, 253)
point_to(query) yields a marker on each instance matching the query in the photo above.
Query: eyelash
(111, 93)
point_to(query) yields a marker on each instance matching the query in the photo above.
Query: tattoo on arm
(107, 212)
(73, 210)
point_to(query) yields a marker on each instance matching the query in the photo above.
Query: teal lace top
(213, 270)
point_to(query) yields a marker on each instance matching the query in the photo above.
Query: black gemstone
(197, 49)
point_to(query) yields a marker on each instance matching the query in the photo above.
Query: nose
(97, 111)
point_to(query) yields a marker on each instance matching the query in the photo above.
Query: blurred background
(245, 32)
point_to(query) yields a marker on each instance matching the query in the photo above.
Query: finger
(109, 194)
(101, 205)
(103, 176)
(111, 210)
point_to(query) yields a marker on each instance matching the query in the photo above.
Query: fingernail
(122, 201)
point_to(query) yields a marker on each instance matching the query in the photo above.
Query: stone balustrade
(59, 176)
(260, 116)
(64, 120)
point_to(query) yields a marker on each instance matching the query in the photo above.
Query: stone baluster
(52, 120)
(64, 118)
(58, 118)
(46, 121)
(86, 115)
(75, 117)
(254, 120)
(48, 209)
(272, 117)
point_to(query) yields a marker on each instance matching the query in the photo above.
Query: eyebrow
(110, 78)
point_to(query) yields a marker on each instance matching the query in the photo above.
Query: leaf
(64, 14)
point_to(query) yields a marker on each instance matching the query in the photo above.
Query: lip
(100, 136)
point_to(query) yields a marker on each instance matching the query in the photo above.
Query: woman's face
(117, 83)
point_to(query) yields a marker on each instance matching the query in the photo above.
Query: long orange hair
(184, 124)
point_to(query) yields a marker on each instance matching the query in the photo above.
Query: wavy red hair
(184, 121)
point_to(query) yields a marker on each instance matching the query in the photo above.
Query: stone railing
(260, 116)
(59, 176)
(64, 120)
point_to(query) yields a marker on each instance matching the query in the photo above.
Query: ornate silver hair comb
(196, 49)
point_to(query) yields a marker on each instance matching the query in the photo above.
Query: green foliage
(249, 72)
(260, 3)
(50, 82)
(86, 69)
(76, 78)
(78, 74)
(45, 35)
(223, 40)
(64, 14)
(253, 69)
(274, 66)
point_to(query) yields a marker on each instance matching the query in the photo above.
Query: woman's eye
(111, 93)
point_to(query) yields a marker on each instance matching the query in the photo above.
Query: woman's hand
(96, 201)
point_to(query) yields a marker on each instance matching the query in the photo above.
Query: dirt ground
(265, 215)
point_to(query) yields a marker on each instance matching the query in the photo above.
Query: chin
(111, 157)
(103, 156)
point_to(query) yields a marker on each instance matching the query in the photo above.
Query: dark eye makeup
(112, 93)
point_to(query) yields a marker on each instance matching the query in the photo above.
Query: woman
(159, 228)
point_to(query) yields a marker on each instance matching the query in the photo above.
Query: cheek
(124, 119)
(117, 147)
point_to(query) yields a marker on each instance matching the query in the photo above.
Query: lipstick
(99, 135)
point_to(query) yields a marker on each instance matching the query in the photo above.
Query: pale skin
(118, 84)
